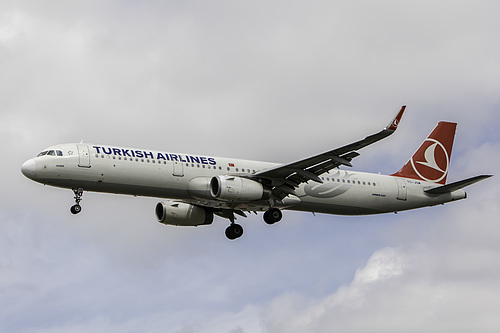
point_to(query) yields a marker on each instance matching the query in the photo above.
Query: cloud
(400, 291)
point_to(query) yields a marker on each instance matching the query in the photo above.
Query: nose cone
(28, 168)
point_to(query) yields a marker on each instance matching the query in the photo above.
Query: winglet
(393, 125)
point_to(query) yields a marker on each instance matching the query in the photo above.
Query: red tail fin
(431, 161)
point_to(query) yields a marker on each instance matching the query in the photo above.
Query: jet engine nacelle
(182, 214)
(231, 188)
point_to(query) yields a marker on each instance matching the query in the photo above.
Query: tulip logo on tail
(433, 165)
(431, 161)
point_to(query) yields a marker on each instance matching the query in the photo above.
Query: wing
(286, 177)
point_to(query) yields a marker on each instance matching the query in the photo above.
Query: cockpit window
(51, 153)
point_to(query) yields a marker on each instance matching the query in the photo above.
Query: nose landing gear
(76, 208)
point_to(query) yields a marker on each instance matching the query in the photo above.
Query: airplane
(197, 187)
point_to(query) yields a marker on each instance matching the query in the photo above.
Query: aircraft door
(402, 190)
(83, 156)
(178, 169)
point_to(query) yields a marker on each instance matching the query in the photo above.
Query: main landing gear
(235, 231)
(272, 216)
(76, 208)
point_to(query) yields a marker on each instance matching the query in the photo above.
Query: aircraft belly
(336, 209)
(348, 205)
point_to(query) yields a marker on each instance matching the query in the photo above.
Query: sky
(274, 81)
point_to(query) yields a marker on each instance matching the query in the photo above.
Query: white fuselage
(186, 177)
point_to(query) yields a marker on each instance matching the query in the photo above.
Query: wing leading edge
(286, 177)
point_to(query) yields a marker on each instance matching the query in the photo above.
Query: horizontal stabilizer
(456, 185)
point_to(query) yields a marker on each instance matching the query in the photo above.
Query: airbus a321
(194, 188)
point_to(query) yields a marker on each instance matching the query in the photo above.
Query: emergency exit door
(178, 169)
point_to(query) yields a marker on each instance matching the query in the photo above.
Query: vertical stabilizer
(432, 160)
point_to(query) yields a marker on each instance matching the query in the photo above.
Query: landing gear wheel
(273, 215)
(75, 209)
(234, 231)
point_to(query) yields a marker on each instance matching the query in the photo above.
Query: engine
(199, 188)
(231, 188)
(182, 214)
